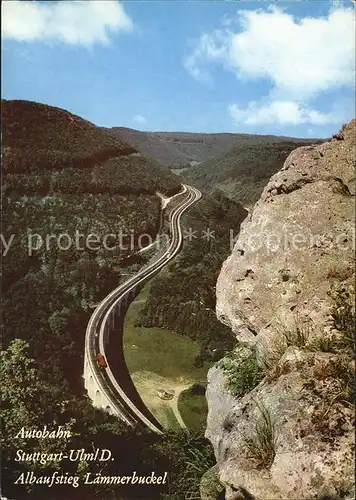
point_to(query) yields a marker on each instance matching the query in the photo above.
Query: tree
(19, 390)
(26, 403)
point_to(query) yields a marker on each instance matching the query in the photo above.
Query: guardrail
(112, 396)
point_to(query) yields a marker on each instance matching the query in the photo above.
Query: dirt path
(174, 406)
(148, 383)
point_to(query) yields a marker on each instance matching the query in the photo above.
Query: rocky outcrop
(291, 437)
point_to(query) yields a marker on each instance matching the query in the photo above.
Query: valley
(183, 150)
(178, 250)
(159, 358)
(166, 341)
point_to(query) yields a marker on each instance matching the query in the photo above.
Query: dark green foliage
(197, 389)
(31, 401)
(242, 373)
(243, 172)
(28, 400)
(122, 175)
(193, 407)
(48, 295)
(194, 411)
(187, 456)
(37, 137)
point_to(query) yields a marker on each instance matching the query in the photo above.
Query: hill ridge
(186, 149)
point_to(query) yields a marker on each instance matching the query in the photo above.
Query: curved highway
(98, 324)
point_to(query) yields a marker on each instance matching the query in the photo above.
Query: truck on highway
(101, 360)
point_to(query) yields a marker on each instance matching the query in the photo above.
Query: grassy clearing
(159, 350)
(242, 371)
(159, 358)
(193, 409)
(165, 410)
(171, 420)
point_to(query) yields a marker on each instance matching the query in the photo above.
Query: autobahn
(114, 391)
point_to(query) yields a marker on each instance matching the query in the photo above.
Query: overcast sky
(255, 67)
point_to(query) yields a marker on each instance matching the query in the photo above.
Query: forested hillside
(242, 172)
(43, 138)
(63, 175)
(186, 149)
(56, 183)
(38, 137)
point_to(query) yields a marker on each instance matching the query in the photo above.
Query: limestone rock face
(210, 486)
(221, 404)
(295, 247)
(299, 237)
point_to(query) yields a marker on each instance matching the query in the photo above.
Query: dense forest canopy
(37, 137)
